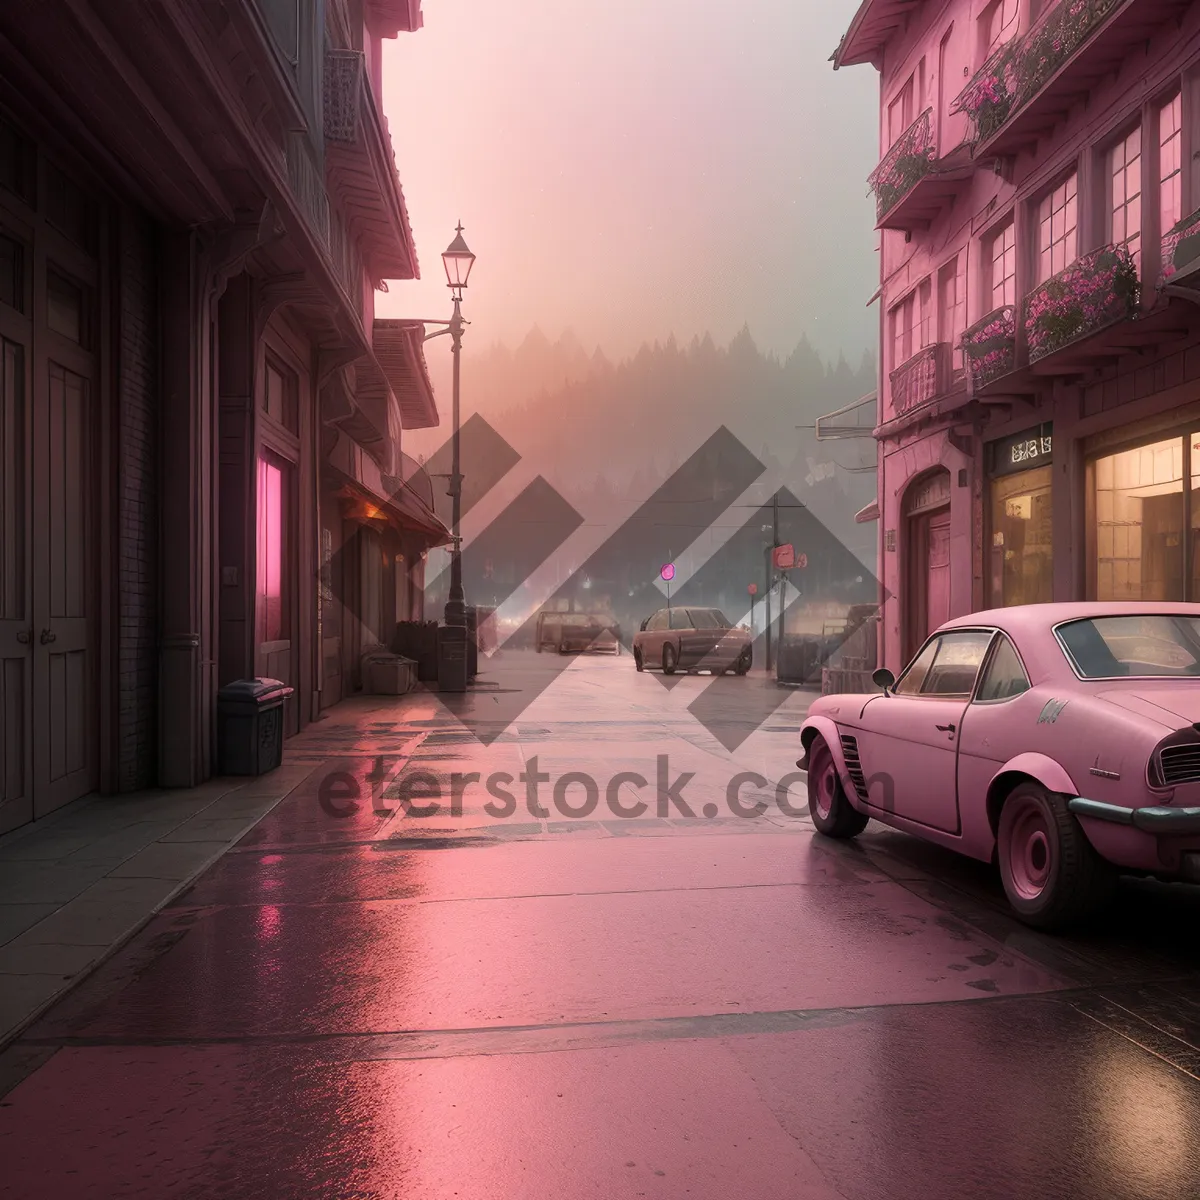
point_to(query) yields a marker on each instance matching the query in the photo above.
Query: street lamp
(452, 656)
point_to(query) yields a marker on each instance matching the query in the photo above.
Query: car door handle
(945, 728)
(48, 636)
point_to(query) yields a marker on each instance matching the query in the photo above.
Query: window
(67, 308)
(947, 666)
(659, 620)
(1005, 676)
(900, 112)
(271, 615)
(1057, 220)
(283, 18)
(925, 315)
(904, 330)
(1170, 164)
(12, 273)
(279, 396)
(952, 306)
(995, 23)
(1022, 551)
(1125, 194)
(680, 619)
(708, 618)
(1107, 647)
(1138, 522)
(1002, 264)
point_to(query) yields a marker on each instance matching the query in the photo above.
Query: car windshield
(576, 619)
(708, 618)
(1109, 647)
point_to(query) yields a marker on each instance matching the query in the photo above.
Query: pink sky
(639, 168)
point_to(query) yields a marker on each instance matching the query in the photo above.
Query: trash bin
(250, 726)
(387, 674)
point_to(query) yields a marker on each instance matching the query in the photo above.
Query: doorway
(927, 521)
(49, 289)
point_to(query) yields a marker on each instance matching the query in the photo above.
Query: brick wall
(137, 505)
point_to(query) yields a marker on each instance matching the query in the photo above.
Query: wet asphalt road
(358, 1001)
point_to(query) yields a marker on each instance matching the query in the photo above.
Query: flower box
(990, 347)
(904, 165)
(1095, 291)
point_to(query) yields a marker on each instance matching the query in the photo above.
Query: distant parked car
(692, 639)
(1063, 740)
(565, 632)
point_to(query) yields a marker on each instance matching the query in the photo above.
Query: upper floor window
(1002, 267)
(280, 396)
(1057, 228)
(952, 306)
(904, 326)
(900, 112)
(1125, 193)
(1170, 163)
(996, 23)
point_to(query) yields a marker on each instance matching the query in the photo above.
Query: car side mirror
(883, 678)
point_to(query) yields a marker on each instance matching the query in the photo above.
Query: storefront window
(1022, 562)
(1139, 507)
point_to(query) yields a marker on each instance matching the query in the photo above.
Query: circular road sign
(668, 572)
(753, 589)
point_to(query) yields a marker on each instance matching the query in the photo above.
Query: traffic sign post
(668, 573)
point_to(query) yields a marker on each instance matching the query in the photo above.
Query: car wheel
(1052, 875)
(743, 664)
(830, 809)
(562, 649)
(637, 659)
(669, 659)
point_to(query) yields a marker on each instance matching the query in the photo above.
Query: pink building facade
(1037, 198)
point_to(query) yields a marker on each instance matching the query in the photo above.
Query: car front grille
(854, 765)
(1180, 764)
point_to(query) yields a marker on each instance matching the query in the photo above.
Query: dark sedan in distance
(692, 639)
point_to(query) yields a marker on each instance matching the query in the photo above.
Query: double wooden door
(48, 708)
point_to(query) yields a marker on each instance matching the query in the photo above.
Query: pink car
(1062, 740)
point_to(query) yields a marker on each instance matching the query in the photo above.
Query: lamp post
(452, 645)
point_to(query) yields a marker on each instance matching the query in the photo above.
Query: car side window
(680, 619)
(1005, 676)
(947, 666)
(659, 620)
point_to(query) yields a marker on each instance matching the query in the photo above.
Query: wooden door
(937, 572)
(49, 285)
(16, 620)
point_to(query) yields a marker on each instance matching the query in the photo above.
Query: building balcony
(1096, 291)
(1180, 261)
(911, 184)
(990, 348)
(361, 168)
(1030, 84)
(921, 380)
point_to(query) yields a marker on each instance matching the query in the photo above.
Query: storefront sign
(1022, 452)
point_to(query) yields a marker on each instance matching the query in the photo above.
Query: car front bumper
(1158, 819)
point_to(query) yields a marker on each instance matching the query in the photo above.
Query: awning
(402, 512)
(398, 350)
(865, 516)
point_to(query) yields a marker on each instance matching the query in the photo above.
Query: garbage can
(250, 726)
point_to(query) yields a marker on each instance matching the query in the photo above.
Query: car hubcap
(1030, 855)
(825, 789)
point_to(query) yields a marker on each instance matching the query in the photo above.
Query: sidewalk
(76, 885)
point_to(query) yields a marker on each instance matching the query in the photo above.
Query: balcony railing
(343, 90)
(905, 164)
(990, 347)
(921, 379)
(1095, 291)
(1174, 237)
(1019, 70)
